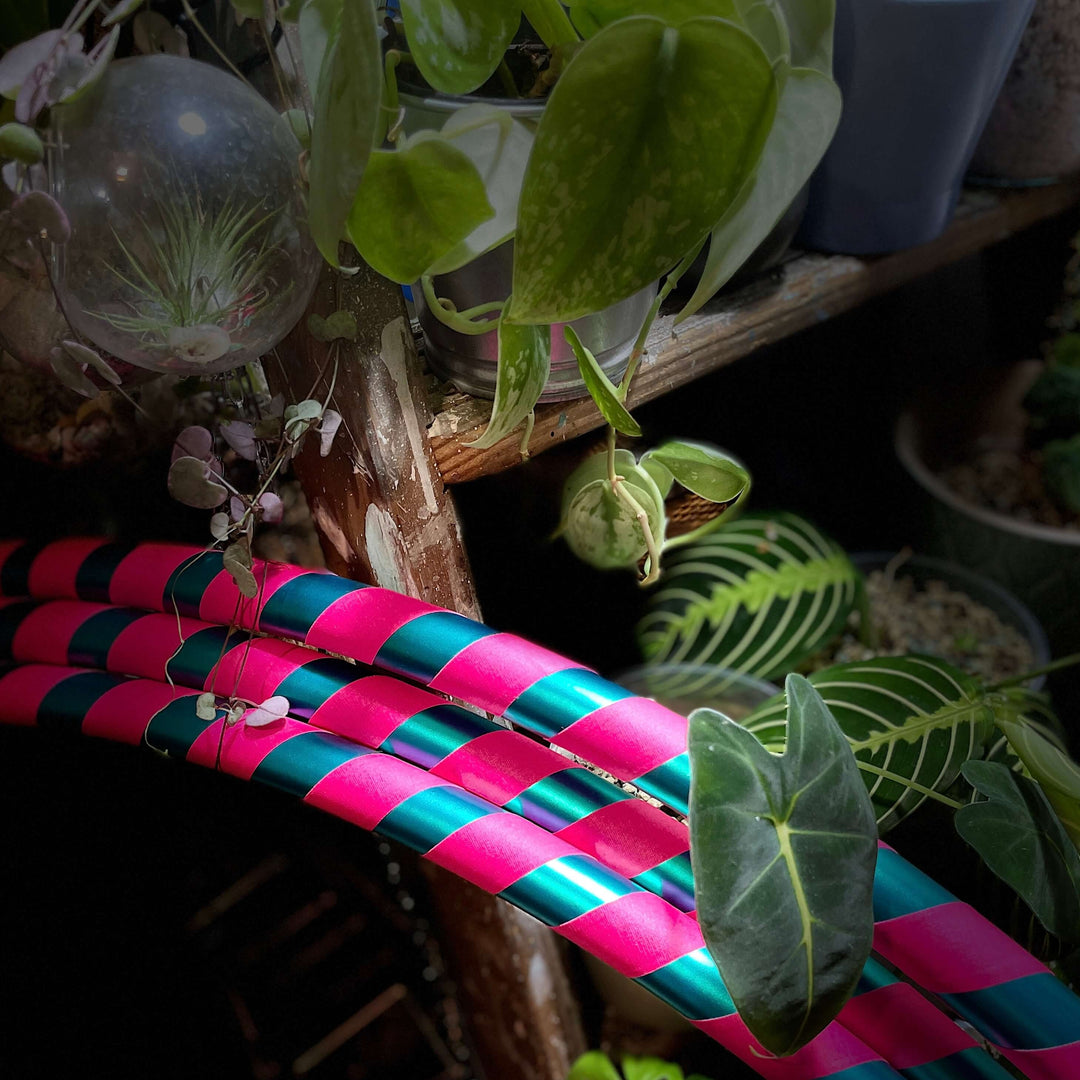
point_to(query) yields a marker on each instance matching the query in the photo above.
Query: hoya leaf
(806, 119)
(703, 470)
(646, 139)
(499, 147)
(347, 99)
(236, 559)
(1018, 835)
(189, 482)
(601, 388)
(414, 205)
(70, 373)
(783, 850)
(1056, 773)
(19, 142)
(524, 365)
(206, 706)
(457, 44)
(317, 22)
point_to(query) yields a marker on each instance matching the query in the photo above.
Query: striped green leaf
(757, 595)
(912, 722)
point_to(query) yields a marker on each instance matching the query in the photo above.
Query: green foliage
(784, 850)
(604, 393)
(21, 143)
(758, 595)
(596, 1065)
(1061, 470)
(1017, 834)
(1053, 403)
(701, 469)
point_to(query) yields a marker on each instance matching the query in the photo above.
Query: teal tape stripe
(565, 888)
(293, 608)
(174, 728)
(423, 646)
(192, 664)
(971, 1064)
(670, 782)
(11, 618)
(90, 644)
(15, 573)
(428, 737)
(672, 880)
(311, 685)
(67, 703)
(562, 698)
(900, 889)
(297, 765)
(93, 579)
(427, 818)
(874, 976)
(1032, 1013)
(692, 985)
(184, 590)
(564, 798)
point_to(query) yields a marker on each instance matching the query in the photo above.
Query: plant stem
(189, 12)
(461, 321)
(1055, 665)
(283, 94)
(550, 21)
(623, 495)
(78, 18)
(506, 77)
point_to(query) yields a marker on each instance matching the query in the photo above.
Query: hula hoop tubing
(943, 944)
(635, 932)
(507, 768)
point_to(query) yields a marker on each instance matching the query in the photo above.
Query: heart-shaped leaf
(1018, 835)
(338, 325)
(206, 706)
(241, 438)
(758, 595)
(647, 137)
(219, 526)
(236, 559)
(912, 722)
(347, 99)
(19, 142)
(601, 388)
(702, 469)
(318, 22)
(784, 850)
(189, 482)
(457, 44)
(806, 119)
(414, 205)
(1056, 773)
(524, 365)
(765, 21)
(271, 711)
(19, 62)
(194, 441)
(810, 25)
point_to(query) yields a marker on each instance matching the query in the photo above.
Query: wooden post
(385, 516)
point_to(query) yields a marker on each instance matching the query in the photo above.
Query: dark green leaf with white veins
(601, 388)
(1018, 835)
(646, 139)
(759, 594)
(414, 205)
(347, 101)
(457, 44)
(524, 364)
(912, 722)
(601, 528)
(784, 850)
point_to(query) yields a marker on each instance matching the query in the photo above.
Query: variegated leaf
(758, 595)
(912, 722)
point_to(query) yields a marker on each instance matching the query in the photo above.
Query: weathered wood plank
(806, 290)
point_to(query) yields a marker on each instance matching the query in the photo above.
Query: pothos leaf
(702, 469)
(784, 850)
(672, 12)
(810, 28)
(317, 21)
(1018, 835)
(524, 365)
(601, 388)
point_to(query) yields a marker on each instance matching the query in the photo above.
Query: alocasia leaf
(647, 137)
(601, 388)
(1018, 835)
(806, 119)
(347, 101)
(457, 44)
(784, 849)
(414, 205)
(524, 365)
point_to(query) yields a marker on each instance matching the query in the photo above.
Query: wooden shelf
(806, 290)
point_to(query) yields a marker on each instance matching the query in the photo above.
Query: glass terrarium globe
(189, 249)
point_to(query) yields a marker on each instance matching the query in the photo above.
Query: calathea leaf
(757, 595)
(647, 137)
(457, 44)
(784, 850)
(414, 205)
(1056, 773)
(1018, 835)
(524, 365)
(806, 119)
(347, 99)
(601, 388)
(912, 722)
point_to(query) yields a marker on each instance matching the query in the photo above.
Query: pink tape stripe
(44, 635)
(883, 1018)
(224, 604)
(23, 689)
(124, 713)
(141, 576)
(630, 837)
(952, 949)
(359, 623)
(55, 568)
(504, 665)
(254, 671)
(146, 646)
(1054, 1063)
(628, 738)
(370, 709)
(243, 748)
(635, 934)
(6, 548)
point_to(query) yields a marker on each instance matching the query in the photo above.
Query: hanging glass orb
(189, 248)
